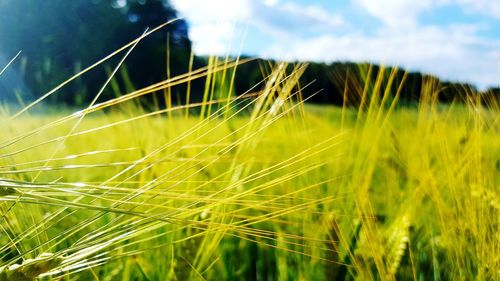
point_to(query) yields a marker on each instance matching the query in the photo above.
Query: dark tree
(59, 37)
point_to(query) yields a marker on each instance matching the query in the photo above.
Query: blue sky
(455, 39)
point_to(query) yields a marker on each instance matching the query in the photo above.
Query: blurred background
(454, 41)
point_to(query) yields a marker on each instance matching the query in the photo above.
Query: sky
(457, 40)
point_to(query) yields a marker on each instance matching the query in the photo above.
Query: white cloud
(213, 10)
(454, 52)
(404, 13)
(486, 7)
(218, 23)
(294, 15)
(396, 12)
(309, 32)
(271, 2)
(215, 38)
(212, 23)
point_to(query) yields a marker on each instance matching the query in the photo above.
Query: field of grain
(255, 187)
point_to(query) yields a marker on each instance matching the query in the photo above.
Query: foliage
(59, 38)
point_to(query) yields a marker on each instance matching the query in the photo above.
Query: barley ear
(30, 269)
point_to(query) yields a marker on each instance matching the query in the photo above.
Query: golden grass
(257, 186)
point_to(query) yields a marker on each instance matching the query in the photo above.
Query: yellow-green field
(259, 187)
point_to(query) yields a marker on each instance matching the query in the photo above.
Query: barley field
(260, 186)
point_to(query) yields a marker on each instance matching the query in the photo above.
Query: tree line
(59, 38)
